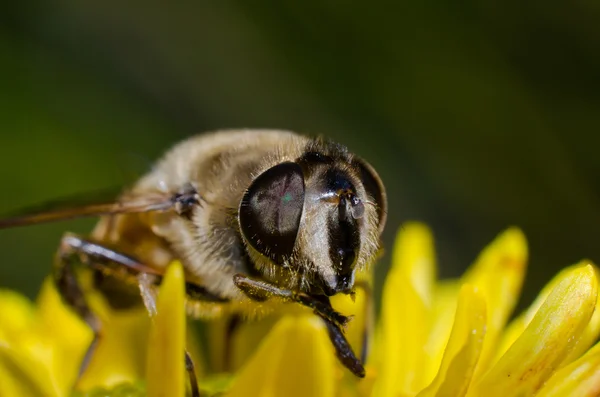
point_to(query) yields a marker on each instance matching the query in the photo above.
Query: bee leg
(76, 250)
(343, 350)
(261, 290)
(72, 294)
(190, 369)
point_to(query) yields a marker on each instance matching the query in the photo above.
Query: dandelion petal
(20, 375)
(580, 378)
(16, 313)
(443, 311)
(548, 339)
(464, 346)
(592, 330)
(295, 359)
(165, 370)
(407, 298)
(124, 335)
(499, 272)
(516, 327)
(66, 344)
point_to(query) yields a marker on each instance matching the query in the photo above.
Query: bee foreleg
(343, 350)
(261, 290)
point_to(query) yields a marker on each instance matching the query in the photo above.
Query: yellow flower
(432, 338)
(41, 347)
(445, 338)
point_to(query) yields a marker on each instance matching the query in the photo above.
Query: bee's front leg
(343, 350)
(261, 290)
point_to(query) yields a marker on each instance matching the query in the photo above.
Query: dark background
(477, 114)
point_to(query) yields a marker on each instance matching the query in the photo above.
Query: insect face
(310, 224)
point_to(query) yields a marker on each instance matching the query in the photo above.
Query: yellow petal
(498, 272)
(245, 340)
(124, 335)
(581, 378)
(68, 342)
(464, 346)
(405, 313)
(34, 342)
(165, 370)
(247, 336)
(443, 312)
(516, 327)
(592, 330)
(23, 375)
(16, 313)
(548, 339)
(20, 373)
(295, 359)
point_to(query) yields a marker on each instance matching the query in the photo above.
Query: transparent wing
(90, 204)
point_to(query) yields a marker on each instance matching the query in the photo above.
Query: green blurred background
(477, 114)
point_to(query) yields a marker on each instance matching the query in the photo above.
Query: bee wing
(90, 205)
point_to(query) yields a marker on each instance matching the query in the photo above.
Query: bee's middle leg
(71, 292)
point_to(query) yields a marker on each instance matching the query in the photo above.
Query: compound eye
(374, 187)
(271, 209)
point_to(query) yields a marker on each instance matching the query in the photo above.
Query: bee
(253, 215)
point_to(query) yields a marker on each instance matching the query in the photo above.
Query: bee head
(310, 224)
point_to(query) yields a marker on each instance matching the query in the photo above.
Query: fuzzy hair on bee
(218, 239)
(253, 216)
